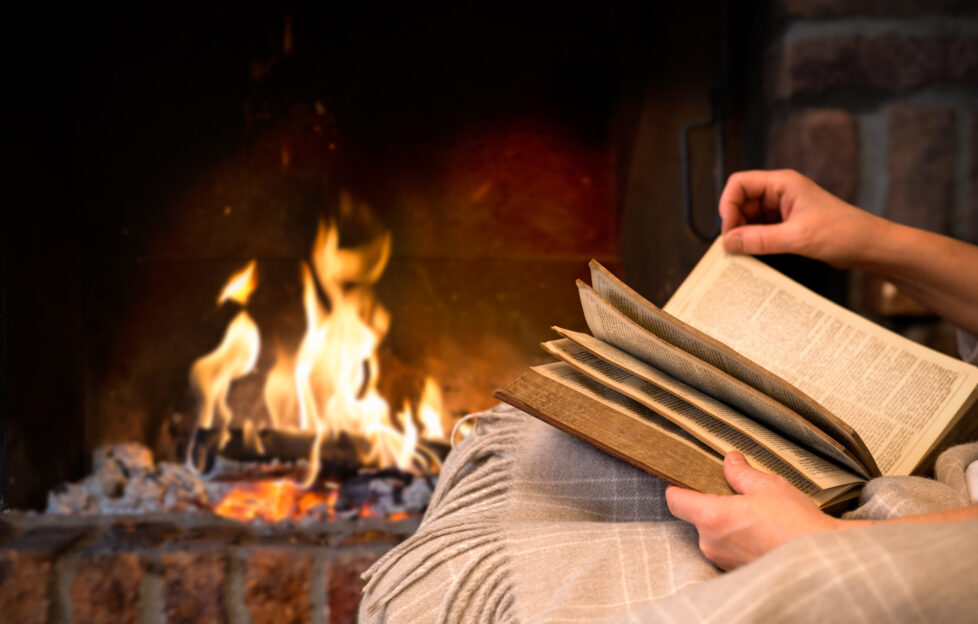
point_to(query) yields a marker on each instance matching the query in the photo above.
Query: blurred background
(149, 155)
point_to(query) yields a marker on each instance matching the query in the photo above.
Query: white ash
(417, 494)
(126, 480)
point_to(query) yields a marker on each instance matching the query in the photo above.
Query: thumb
(743, 478)
(758, 239)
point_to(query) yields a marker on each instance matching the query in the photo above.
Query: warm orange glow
(274, 501)
(329, 384)
(211, 375)
(430, 411)
(240, 285)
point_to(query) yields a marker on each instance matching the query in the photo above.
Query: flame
(240, 285)
(430, 411)
(274, 501)
(329, 385)
(211, 375)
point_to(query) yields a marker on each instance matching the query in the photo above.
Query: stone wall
(878, 102)
(184, 569)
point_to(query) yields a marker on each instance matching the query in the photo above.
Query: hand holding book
(734, 530)
(808, 221)
(816, 398)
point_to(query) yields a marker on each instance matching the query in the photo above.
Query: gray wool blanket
(529, 524)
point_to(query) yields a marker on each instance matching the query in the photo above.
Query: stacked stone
(878, 101)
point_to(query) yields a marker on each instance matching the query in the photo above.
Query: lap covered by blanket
(529, 524)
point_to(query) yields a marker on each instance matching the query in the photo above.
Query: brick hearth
(185, 568)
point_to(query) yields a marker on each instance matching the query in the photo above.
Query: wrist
(877, 244)
(843, 524)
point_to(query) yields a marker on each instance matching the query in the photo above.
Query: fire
(240, 286)
(430, 411)
(274, 501)
(328, 386)
(211, 375)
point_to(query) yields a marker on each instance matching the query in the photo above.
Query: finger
(743, 478)
(758, 239)
(747, 194)
(688, 505)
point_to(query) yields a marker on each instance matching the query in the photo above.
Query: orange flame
(329, 385)
(240, 285)
(274, 501)
(430, 411)
(211, 375)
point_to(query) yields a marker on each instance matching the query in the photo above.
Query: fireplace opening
(195, 200)
(155, 157)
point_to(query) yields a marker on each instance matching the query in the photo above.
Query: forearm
(955, 515)
(939, 272)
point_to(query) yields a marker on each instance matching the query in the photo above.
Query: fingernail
(735, 458)
(733, 242)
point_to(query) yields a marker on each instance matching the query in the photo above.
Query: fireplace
(155, 165)
(197, 144)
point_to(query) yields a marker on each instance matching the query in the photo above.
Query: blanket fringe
(462, 527)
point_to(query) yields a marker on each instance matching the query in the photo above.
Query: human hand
(765, 212)
(767, 512)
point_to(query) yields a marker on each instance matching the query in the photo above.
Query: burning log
(341, 456)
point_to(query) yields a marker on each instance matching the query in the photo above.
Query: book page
(715, 353)
(899, 396)
(632, 394)
(618, 426)
(692, 410)
(614, 328)
(566, 375)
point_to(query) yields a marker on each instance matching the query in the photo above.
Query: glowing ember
(274, 501)
(328, 386)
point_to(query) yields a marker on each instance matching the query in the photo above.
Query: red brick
(25, 579)
(106, 588)
(193, 587)
(27, 569)
(887, 60)
(921, 165)
(895, 61)
(277, 585)
(344, 585)
(814, 65)
(821, 143)
(962, 60)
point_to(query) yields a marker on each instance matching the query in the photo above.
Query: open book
(743, 358)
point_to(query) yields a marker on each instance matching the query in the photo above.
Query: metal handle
(717, 115)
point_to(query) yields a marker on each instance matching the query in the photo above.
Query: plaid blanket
(529, 524)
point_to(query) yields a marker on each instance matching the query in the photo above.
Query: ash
(126, 480)
(385, 494)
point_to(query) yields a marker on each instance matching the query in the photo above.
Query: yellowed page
(568, 376)
(611, 326)
(719, 355)
(715, 434)
(899, 396)
(696, 412)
